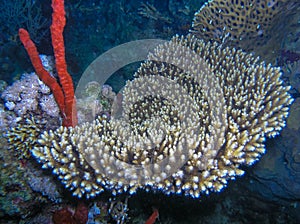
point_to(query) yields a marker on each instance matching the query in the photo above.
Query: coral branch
(63, 92)
(41, 71)
(153, 217)
(57, 27)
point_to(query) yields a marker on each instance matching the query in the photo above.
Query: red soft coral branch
(57, 27)
(43, 74)
(64, 94)
(153, 217)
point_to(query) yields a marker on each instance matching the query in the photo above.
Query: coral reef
(17, 200)
(29, 94)
(270, 194)
(24, 99)
(230, 103)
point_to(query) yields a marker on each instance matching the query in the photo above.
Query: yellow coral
(24, 135)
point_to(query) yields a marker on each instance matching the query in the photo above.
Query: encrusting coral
(194, 114)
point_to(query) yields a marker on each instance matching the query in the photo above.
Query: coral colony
(244, 24)
(203, 138)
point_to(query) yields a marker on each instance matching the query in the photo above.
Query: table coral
(217, 107)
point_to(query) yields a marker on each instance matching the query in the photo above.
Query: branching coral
(194, 113)
(25, 134)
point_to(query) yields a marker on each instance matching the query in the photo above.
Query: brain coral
(194, 113)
